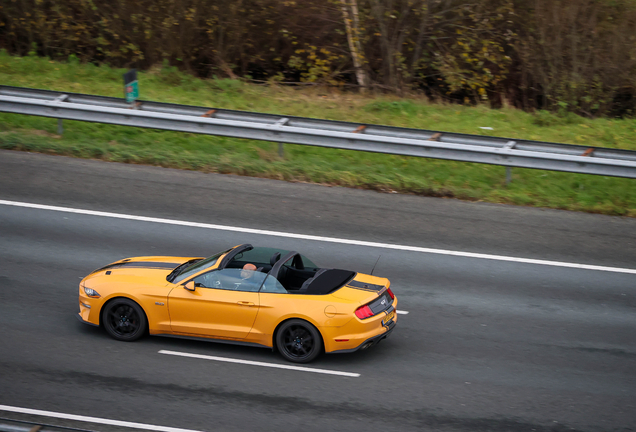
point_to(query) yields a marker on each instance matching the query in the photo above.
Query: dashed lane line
(88, 419)
(261, 364)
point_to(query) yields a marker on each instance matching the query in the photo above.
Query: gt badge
(159, 303)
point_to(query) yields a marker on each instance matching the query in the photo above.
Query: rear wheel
(124, 320)
(298, 341)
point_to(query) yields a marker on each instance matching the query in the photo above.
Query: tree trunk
(350, 16)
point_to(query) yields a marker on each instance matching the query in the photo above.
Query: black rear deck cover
(329, 281)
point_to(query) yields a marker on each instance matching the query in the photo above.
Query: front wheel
(124, 320)
(298, 341)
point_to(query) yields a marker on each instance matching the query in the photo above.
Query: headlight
(91, 292)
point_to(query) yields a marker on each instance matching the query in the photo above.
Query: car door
(224, 304)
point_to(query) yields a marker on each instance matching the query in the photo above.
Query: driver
(248, 281)
(248, 271)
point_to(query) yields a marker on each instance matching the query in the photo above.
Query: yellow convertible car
(246, 295)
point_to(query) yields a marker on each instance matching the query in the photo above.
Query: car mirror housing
(189, 285)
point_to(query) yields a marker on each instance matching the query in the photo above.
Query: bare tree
(351, 19)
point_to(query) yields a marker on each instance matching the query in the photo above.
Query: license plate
(387, 319)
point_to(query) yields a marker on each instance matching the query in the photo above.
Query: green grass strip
(387, 173)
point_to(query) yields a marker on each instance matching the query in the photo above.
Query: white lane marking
(92, 419)
(319, 238)
(401, 312)
(256, 363)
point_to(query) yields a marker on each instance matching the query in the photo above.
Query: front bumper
(89, 309)
(79, 317)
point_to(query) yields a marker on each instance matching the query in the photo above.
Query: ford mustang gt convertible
(246, 295)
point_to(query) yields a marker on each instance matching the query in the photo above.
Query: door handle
(246, 303)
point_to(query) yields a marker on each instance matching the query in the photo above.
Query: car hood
(147, 269)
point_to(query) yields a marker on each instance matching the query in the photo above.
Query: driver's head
(248, 270)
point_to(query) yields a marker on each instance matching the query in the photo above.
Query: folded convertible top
(326, 281)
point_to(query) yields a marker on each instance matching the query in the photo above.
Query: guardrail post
(60, 126)
(509, 146)
(280, 123)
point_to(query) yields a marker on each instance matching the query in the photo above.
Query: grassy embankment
(302, 163)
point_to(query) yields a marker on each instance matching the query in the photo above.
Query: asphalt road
(487, 345)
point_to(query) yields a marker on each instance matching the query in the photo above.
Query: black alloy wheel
(298, 341)
(124, 320)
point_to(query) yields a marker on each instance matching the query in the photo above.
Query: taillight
(364, 312)
(390, 293)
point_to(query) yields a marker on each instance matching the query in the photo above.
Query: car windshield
(261, 256)
(198, 266)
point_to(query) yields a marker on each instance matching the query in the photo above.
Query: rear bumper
(372, 341)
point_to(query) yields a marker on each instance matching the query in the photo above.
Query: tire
(298, 341)
(124, 320)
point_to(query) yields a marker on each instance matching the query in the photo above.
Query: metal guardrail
(323, 133)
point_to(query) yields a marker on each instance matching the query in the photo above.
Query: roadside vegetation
(387, 173)
(577, 55)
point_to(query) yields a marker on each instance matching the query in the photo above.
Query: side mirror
(189, 286)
